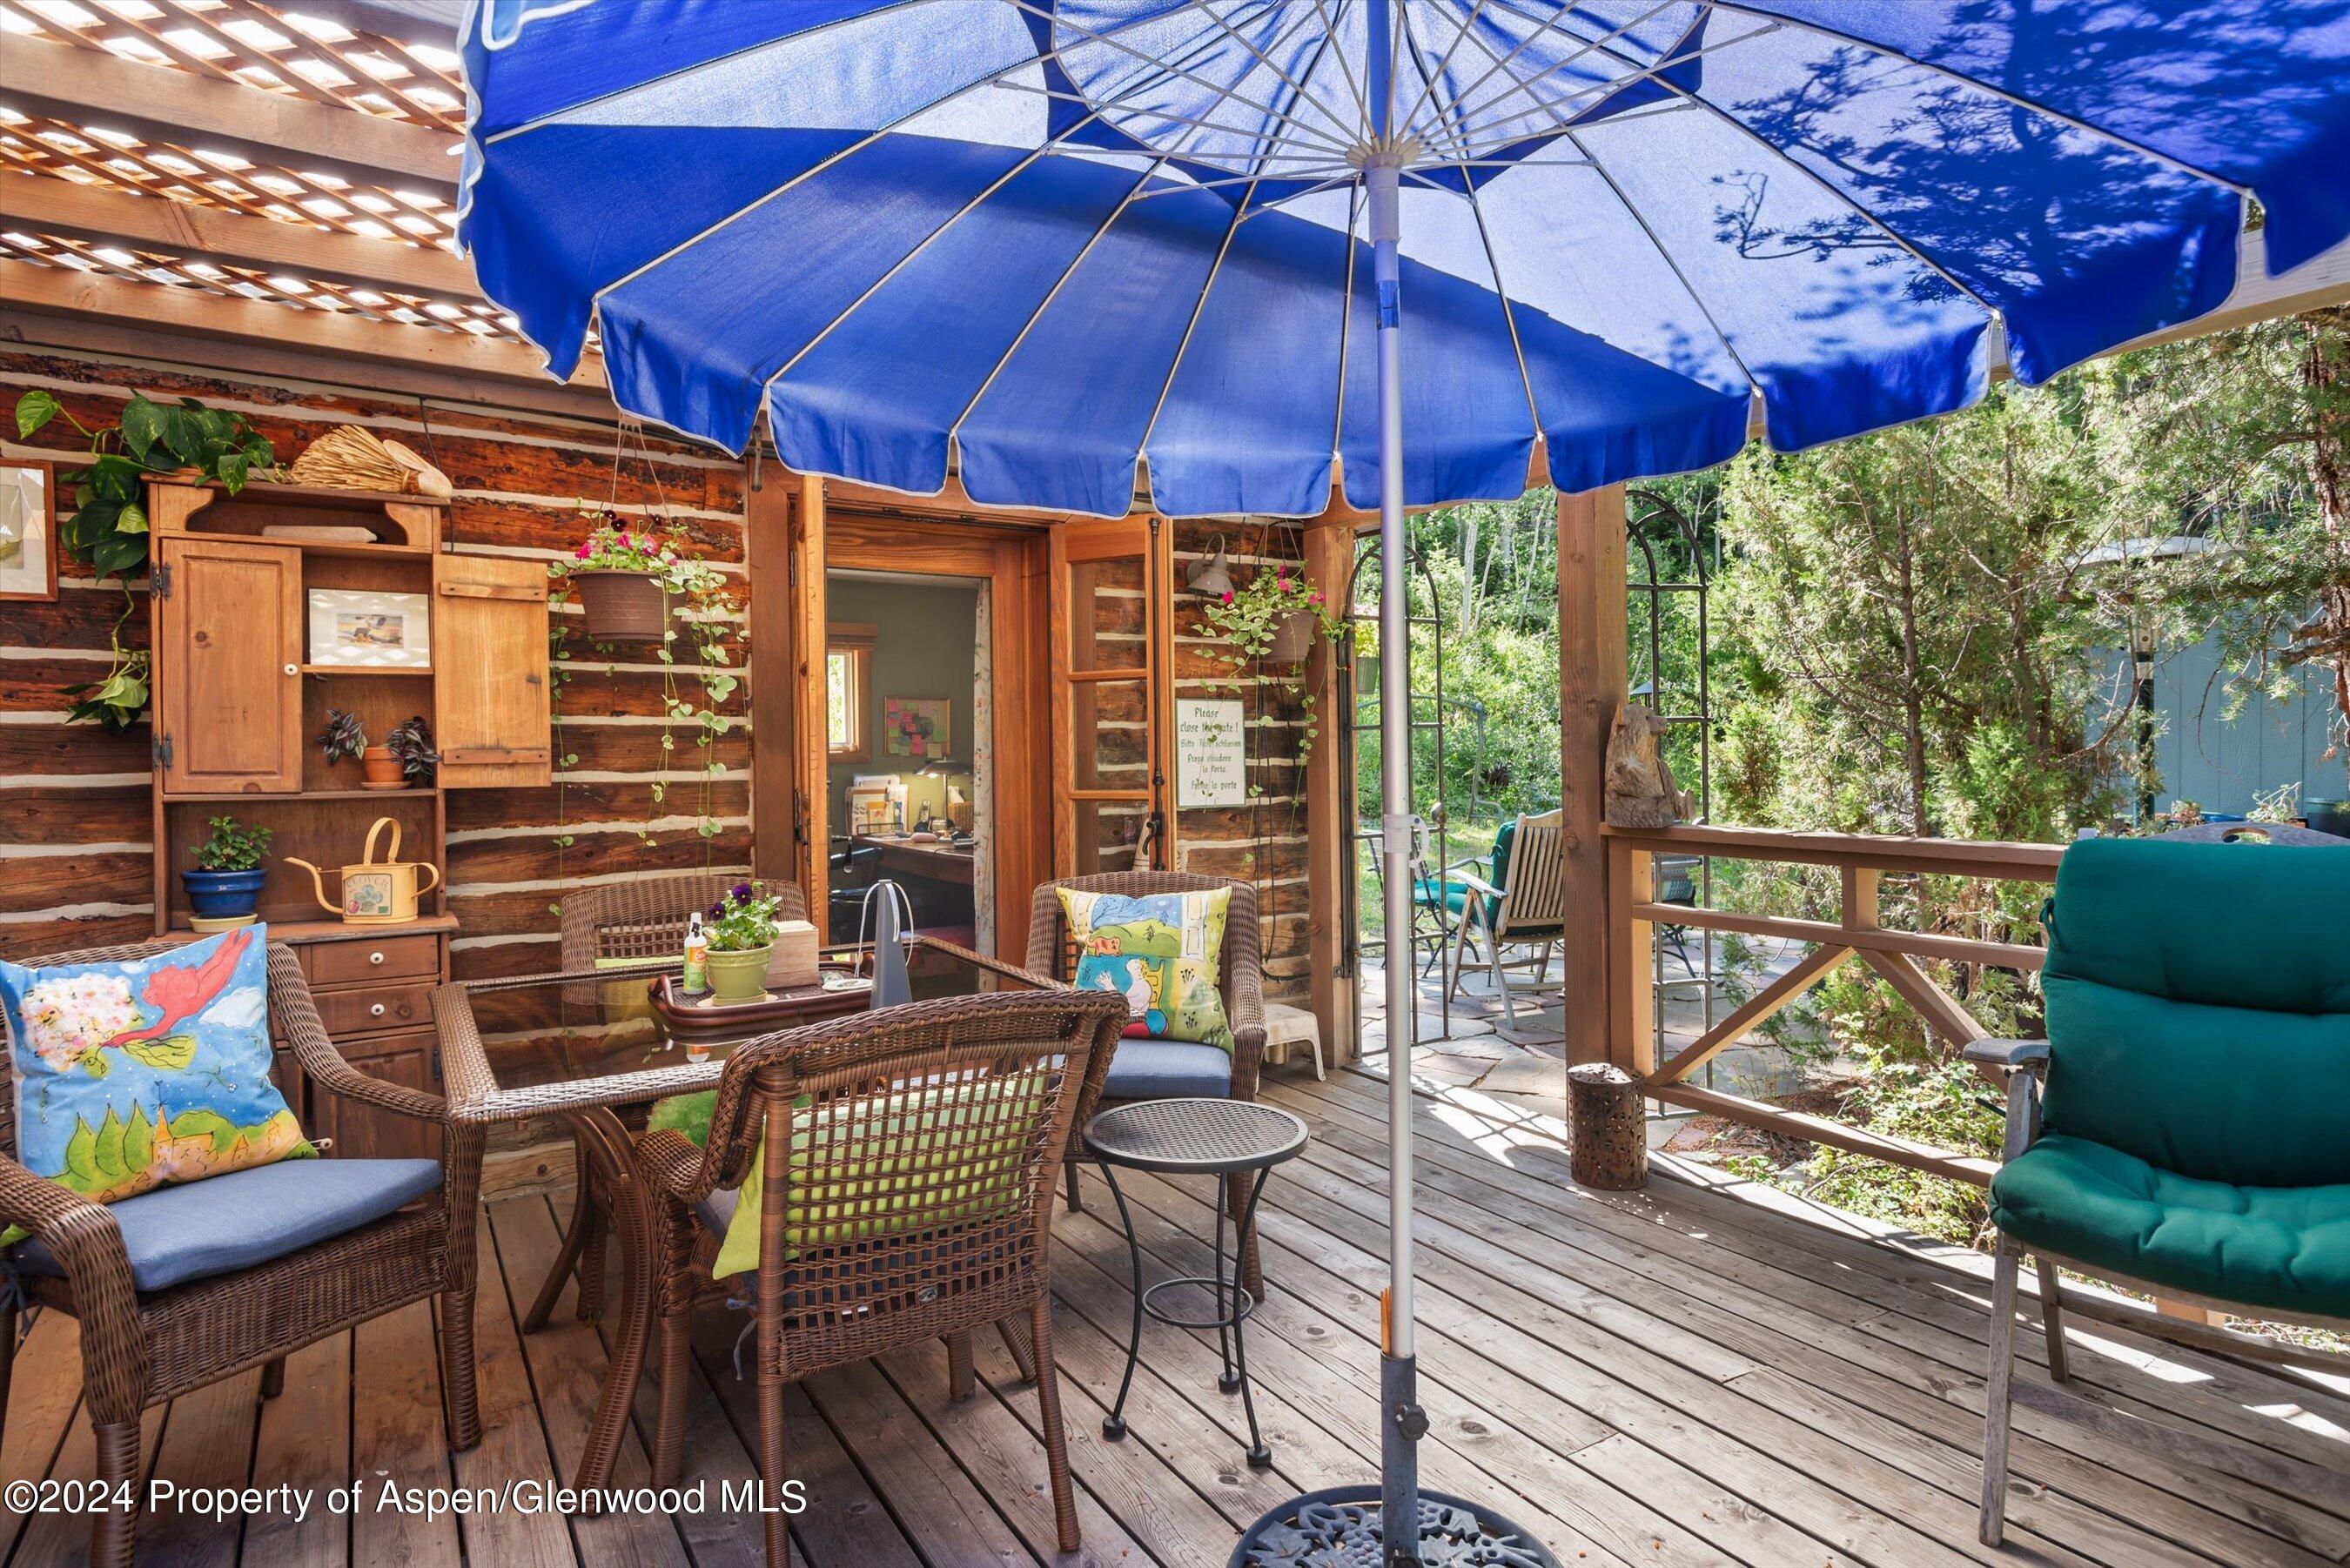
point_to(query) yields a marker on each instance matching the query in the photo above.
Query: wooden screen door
(1112, 587)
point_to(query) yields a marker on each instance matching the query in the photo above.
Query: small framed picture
(28, 532)
(366, 630)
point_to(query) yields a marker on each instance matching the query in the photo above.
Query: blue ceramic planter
(223, 895)
(2328, 816)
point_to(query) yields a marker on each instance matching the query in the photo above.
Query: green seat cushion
(1456, 895)
(2199, 1002)
(927, 1157)
(2286, 1248)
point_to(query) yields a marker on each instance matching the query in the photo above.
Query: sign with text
(1210, 752)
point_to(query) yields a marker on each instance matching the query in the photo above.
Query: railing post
(1631, 1009)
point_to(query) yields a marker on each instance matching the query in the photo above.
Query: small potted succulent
(225, 885)
(627, 582)
(411, 745)
(741, 929)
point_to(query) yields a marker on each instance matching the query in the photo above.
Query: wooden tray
(775, 1010)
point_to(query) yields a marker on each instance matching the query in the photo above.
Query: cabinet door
(489, 665)
(228, 669)
(369, 1132)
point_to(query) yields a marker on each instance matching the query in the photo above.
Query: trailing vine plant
(1252, 616)
(108, 527)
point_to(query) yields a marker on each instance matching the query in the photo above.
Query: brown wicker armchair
(915, 1202)
(144, 1347)
(641, 920)
(1240, 978)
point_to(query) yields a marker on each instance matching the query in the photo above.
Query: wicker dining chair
(914, 1201)
(1158, 1070)
(641, 920)
(144, 1347)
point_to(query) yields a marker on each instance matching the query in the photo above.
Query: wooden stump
(1610, 1136)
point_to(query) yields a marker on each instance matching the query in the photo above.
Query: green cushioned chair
(2182, 1129)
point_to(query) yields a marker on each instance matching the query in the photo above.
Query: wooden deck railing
(1861, 861)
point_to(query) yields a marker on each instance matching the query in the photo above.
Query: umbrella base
(1340, 1528)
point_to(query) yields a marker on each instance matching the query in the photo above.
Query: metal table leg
(1258, 1456)
(1114, 1424)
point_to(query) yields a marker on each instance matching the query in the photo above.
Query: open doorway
(908, 748)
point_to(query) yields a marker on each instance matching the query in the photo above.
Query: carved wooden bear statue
(1640, 791)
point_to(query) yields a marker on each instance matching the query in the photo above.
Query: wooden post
(1329, 806)
(774, 670)
(810, 783)
(1592, 681)
(1631, 974)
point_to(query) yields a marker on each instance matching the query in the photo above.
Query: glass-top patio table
(589, 1048)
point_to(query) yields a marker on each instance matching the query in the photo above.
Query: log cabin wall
(75, 822)
(1264, 841)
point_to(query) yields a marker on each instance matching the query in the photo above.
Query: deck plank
(1682, 1376)
(1514, 1222)
(207, 1443)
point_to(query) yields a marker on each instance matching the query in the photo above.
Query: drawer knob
(375, 957)
(376, 1012)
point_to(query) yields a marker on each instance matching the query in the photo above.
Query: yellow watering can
(377, 892)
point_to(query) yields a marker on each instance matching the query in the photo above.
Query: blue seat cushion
(1147, 1069)
(187, 1231)
(2284, 1247)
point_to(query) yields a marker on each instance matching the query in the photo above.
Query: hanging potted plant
(225, 885)
(108, 527)
(741, 929)
(1273, 617)
(628, 582)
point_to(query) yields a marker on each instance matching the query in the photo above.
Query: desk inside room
(934, 860)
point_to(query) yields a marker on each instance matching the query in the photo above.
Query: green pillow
(1160, 951)
(980, 1168)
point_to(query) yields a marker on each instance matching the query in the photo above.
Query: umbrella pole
(1403, 1421)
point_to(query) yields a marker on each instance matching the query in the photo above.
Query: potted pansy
(628, 580)
(741, 928)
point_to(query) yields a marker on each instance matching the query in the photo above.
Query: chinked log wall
(75, 825)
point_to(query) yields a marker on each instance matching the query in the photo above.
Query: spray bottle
(696, 978)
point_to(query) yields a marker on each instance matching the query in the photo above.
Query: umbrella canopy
(1047, 238)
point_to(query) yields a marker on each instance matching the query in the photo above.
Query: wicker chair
(1240, 977)
(641, 920)
(144, 1347)
(955, 1236)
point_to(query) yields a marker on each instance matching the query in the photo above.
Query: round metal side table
(1196, 1138)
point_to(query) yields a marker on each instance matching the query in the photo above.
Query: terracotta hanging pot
(623, 606)
(1293, 639)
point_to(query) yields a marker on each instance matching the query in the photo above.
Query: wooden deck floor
(1694, 1375)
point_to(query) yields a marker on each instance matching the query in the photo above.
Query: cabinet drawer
(388, 958)
(368, 1008)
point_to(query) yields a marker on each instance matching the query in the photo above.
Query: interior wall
(924, 647)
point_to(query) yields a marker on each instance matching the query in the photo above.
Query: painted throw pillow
(1160, 952)
(132, 1075)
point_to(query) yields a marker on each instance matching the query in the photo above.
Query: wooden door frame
(856, 530)
(1107, 538)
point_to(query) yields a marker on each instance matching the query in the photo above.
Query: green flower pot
(740, 976)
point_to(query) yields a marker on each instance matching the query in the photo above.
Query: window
(848, 693)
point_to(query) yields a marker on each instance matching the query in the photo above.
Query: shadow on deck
(1697, 1374)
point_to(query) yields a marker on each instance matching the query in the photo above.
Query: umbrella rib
(1199, 309)
(2059, 116)
(1429, 79)
(1346, 320)
(1653, 73)
(1502, 63)
(1509, 311)
(1330, 13)
(953, 431)
(1753, 387)
(1726, 118)
(1299, 89)
(1161, 67)
(992, 78)
(1169, 115)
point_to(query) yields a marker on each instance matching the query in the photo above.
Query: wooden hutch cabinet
(238, 698)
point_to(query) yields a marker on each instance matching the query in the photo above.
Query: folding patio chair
(1522, 904)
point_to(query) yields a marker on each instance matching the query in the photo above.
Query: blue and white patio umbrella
(1222, 252)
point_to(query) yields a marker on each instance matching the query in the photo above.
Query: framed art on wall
(28, 532)
(363, 628)
(915, 726)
